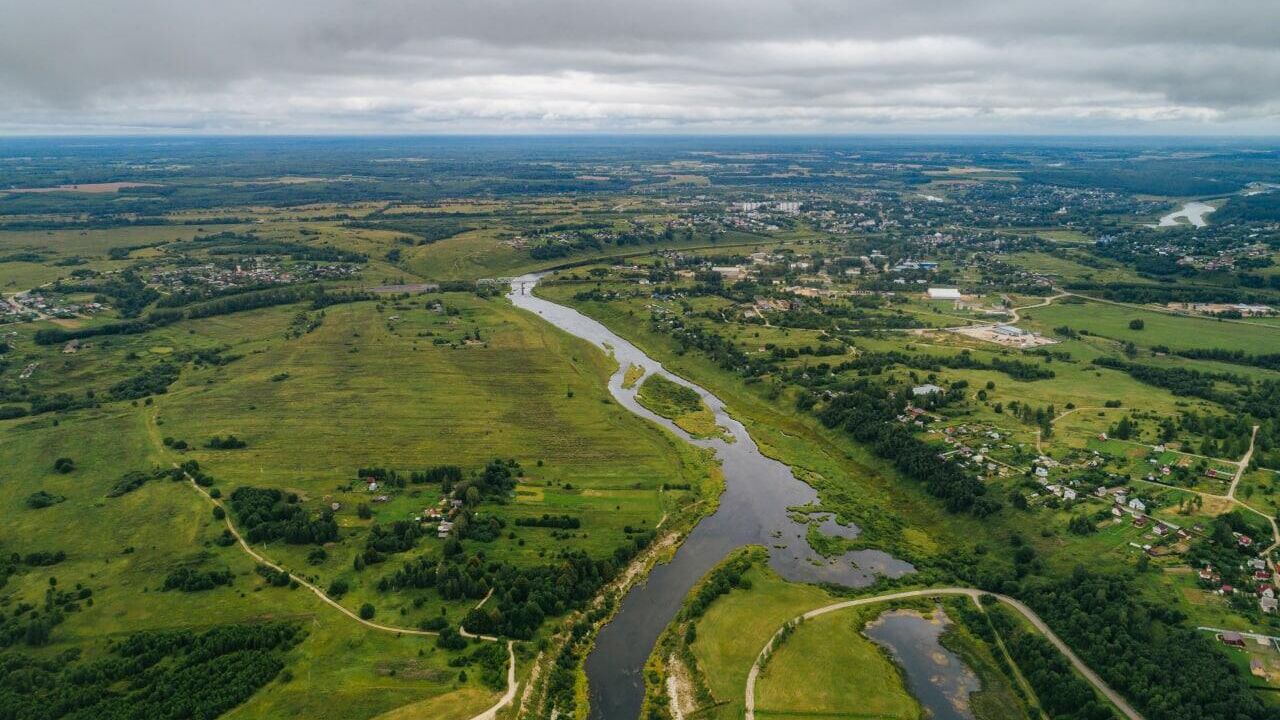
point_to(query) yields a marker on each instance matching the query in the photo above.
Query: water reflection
(937, 677)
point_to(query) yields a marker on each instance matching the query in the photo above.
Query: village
(262, 270)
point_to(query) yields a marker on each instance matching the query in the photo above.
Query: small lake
(1192, 212)
(937, 677)
(753, 510)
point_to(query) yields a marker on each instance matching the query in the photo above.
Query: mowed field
(1173, 331)
(392, 384)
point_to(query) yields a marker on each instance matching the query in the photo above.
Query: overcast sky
(414, 66)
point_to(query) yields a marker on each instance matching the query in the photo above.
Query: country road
(1035, 620)
(1243, 465)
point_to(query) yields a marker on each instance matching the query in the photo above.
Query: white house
(944, 293)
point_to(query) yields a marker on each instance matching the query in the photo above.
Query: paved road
(1079, 665)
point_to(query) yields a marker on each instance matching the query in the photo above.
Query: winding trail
(490, 714)
(973, 594)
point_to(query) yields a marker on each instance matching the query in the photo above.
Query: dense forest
(175, 675)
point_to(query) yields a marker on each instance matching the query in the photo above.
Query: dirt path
(1014, 312)
(490, 714)
(512, 686)
(1035, 620)
(1243, 465)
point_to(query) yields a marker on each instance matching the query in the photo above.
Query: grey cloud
(831, 65)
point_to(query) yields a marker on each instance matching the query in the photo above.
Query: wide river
(753, 510)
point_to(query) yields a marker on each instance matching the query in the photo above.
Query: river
(752, 510)
(1194, 213)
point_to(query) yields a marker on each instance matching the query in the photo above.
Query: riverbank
(754, 509)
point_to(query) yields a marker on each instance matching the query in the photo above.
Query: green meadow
(680, 404)
(1159, 328)
(399, 384)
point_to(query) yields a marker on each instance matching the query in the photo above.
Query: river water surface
(752, 510)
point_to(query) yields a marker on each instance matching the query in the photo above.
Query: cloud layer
(1113, 66)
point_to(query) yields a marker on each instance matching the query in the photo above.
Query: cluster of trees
(155, 380)
(286, 295)
(874, 363)
(1161, 293)
(268, 514)
(1177, 380)
(473, 526)
(522, 596)
(230, 442)
(1060, 691)
(724, 578)
(563, 522)
(190, 296)
(41, 558)
(277, 578)
(497, 480)
(193, 580)
(229, 243)
(126, 291)
(41, 499)
(724, 352)
(161, 674)
(491, 659)
(383, 540)
(1142, 649)
(443, 474)
(132, 480)
(33, 625)
(1269, 361)
(867, 413)
(426, 228)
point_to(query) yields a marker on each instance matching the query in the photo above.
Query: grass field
(362, 389)
(828, 668)
(732, 632)
(1172, 331)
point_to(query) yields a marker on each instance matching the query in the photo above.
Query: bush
(64, 465)
(366, 611)
(41, 499)
(337, 588)
(188, 580)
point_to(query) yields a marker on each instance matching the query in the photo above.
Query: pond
(937, 677)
